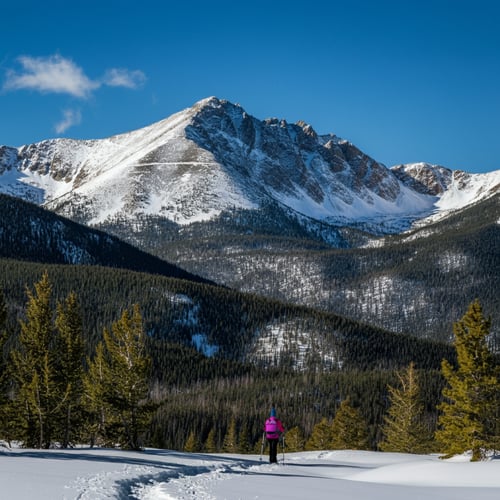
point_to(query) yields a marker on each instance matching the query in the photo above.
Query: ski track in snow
(98, 474)
(172, 481)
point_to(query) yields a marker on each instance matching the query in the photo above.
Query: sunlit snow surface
(87, 474)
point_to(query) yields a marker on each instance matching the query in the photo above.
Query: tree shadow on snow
(153, 458)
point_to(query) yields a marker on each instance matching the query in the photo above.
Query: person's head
(273, 412)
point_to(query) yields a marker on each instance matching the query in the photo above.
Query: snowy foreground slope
(87, 474)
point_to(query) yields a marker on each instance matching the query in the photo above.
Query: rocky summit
(214, 156)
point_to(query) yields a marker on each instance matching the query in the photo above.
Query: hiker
(273, 429)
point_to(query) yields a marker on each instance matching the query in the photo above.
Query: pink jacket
(273, 428)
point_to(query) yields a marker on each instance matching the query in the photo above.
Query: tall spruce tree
(295, 439)
(95, 404)
(191, 445)
(210, 446)
(33, 369)
(230, 443)
(3, 338)
(3, 321)
(5, 417)
(404, 430)
(348, 429)
(69, 367)
(470, 410)
(126, 379)
(244, 444)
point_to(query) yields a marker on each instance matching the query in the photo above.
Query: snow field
(95, 474)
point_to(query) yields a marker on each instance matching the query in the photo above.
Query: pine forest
(66, 328)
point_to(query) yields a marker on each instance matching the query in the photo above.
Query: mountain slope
(418, 282)
(28, 232)
(456, 189)
(273, 208)
(220, 322)
(212, 157)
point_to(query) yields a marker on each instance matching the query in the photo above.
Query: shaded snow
(94, 474)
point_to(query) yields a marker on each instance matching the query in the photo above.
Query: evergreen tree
(126, 378)
(244, 445)
(348, 430)
(230, 443)
(294, 440)
(470, 411)
(210, 445)
(3, 338)
(404, 430)
(320, 437)
(5, 417)
(69, 367)
(191, 445)
(96, 407)
(3, 322)
(33, 369)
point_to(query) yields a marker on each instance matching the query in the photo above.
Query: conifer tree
(210, 445)
(3, 320)
(244, 445)
(320, 437)
(191, 444)
(470, 410)
(5, 417)
(295, 439)
(3, 338)
(404, 430)
(126, 378)
(348, 429)
(95, 404)
(69, 366)
(230, 443)
(33, 368)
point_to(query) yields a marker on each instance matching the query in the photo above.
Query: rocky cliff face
(289, 159)
(424, 177)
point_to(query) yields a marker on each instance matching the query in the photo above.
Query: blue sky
(404, 80)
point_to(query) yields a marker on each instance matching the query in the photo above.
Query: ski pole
(283, 448)
(262, 446)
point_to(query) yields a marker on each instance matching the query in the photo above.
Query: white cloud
(56, 74)
(120, 77)
(50, 74)
(70, 118)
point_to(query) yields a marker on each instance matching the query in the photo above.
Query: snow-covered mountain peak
(455, 189)
(213, 156)
(424, 177)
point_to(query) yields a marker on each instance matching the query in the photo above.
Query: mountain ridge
(31, 233)
(244, 203)
(213, 156)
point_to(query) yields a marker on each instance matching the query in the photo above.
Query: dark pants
(273, 450)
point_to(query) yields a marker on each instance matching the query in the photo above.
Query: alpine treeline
(63, 383)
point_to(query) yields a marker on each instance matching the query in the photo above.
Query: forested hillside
(229, 324)
(30, 233)
(220, 357)
(250, 366)
(417, 282)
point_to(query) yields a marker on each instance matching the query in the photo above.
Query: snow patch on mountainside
(468, 188)
(291, 340)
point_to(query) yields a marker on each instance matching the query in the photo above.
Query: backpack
(271, 427)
